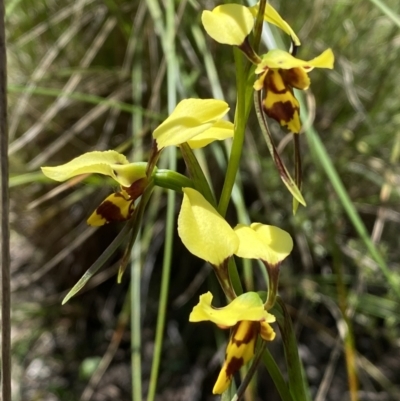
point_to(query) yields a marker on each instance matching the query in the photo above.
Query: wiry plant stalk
(5, 233)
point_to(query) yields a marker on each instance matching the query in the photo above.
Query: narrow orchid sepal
(273, 17)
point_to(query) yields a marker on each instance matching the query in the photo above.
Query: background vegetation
(90, 75)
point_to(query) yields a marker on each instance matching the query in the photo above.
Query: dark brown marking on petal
(281, 111)
(269, 84)
(233, 366)
(296, 78)
(137, 188)
(250, 334)
(110, 212)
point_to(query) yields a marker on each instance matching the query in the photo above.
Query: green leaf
(98, 264)
(297, 383)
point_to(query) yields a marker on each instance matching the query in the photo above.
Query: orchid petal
(219, 131)
(228, 24)
(280, 59)
(203, 231)
(116, 207)
(268, 243)
(273, 17)
(191, 117)
(247, 306)
(110, 163)
(239, 351)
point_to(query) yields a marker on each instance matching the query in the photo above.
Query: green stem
(169, 51)
(196, 173)
(162, 308)
(169, 179)
(238, 138)
(136, 260)
(259, 24)
(297, 384)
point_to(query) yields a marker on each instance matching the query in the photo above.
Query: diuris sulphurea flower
(131, 177)
(248, 319)
(280, 72)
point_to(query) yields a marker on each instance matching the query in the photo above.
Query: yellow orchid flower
(231, 23)
(280, 73)
(196, 121)
(118, 206)
(247, 316)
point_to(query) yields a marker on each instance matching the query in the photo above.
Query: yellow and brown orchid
(131, 177)
(280, 72)
(206, 234)
(248, 319)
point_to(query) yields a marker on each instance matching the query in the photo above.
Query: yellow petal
(247, 306)
(267, 333)
(260, 241)
(219, 131)
(273, 17)
(277, 58)
(296, 78)
(116, 207)
(203, 231)
(240, 350)
(128, 174)
(191, 117)
(109, 163)
(279, 102)
(228, 24)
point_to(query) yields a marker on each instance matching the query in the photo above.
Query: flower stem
(169, 179)
(238, 138)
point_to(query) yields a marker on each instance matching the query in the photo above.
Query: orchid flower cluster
(193, 124)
